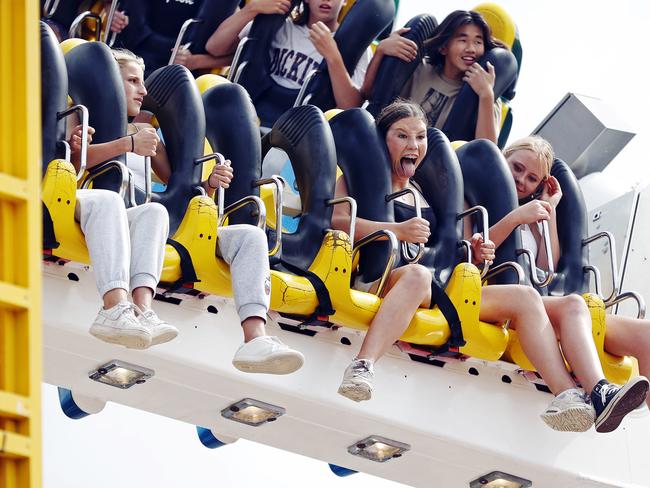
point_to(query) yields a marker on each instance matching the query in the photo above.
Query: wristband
(132, 143)
(212, 187)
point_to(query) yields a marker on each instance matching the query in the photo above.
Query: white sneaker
(119, 325)
(267, 354)
(570, 412)
(161, 331)
(357, 380)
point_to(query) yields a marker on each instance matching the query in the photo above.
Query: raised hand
(145, 142)
(221, 176)
(120, 21)
(323, 40)
(482, 250)
(75, 138)
(415, 230)
(270, 6)
(533, 212)
(398, 46)
(481, 81)
(552, 191)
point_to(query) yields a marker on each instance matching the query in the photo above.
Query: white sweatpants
(245, 249)
(126, 246)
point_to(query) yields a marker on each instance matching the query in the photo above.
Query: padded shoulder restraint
(441, 183)
(174, 99)
(211, 14)
(488, 182)
(362, 156)
(572, 229)
(461, 122)
(361, 25)
(393, 73)
(231, 129)
(54, 89)
(95, 82)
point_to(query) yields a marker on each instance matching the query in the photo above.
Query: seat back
(95, 81)
(304, 134)
(54, 89)
(441, 182)
(173, 97)
(366, 19)
(488, 182)
(211, 14)
(362, 156)
(572, 228)
(231, 129)
(393, 73)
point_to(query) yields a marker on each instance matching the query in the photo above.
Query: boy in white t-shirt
(299, 46)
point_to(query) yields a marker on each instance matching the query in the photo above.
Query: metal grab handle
(83, 111)
(468, 249)
(242, 202)
(353, 213)
(279, 183)
(125, 184)
(109, 21)
(392, 258)
(550, 273)
(612, 259)
(50, 7)
(233, 72)
(83, 16)
(299, 99)
(180, 36)
(221, 161)
(147, 179)
(516, 267)
(597, 281)
(406, 250)
(479, 210)
(626, 295)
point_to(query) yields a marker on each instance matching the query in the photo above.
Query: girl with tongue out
(404, 126)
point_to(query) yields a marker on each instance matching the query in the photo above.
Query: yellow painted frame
(20, 245)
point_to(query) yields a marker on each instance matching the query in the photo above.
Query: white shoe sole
(130, 338)
(279, 363)
(167, 335)
(358, 393)
(631, 396)
(574, 419)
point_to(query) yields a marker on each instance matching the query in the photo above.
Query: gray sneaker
(119, 325)
(161, 331)
(357, 380)
(570, 412)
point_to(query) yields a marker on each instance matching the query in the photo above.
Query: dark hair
(448, 28)
(398, 110)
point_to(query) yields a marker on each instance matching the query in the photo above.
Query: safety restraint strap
(324, 308)
(188, 274)
(440, 298)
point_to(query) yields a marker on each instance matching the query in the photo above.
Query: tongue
(408, 168)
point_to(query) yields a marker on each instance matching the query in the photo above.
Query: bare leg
(253, 327)
(409, 287)
(524, 307)
(629, 337)
(572, 323)
(113, 297)
(142, 297)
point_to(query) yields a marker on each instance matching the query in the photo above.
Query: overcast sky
(594, 48)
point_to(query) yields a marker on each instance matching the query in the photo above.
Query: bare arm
(346, 94)
(482, 82)
(552, 194)
(413, 230)
(201, 61)
(223, 42)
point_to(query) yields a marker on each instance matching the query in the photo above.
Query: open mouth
(407, 164)
(468, 60)
(325, 7)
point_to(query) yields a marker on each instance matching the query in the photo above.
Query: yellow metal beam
(14, 406)
(13, 297)
(14, 445)
(12, 188)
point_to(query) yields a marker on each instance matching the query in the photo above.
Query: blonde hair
(538, 145)
(124, 56)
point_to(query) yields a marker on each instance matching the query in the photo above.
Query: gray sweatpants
(126, 246)
(245, 249)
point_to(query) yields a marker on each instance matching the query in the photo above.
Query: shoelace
(604, 391)
(361, 368)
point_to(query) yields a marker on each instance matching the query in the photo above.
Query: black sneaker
(613, 402)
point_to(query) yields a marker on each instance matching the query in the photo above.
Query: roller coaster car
(251, 66)
(393, 74)
(484, 169)
(366, 170)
